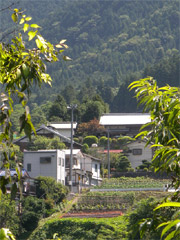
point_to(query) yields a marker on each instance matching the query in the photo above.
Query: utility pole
(72, 107)
(108, 155)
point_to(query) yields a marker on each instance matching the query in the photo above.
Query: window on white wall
(96, 167)
(74, 161)
(137, 151)
(63, 162)
(45, 159)
(29, 167)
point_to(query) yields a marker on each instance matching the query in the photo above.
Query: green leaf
(32, 34)
(169, 226)
(28, 19)
(14, 17)
(35, 26)
(24, 53)
(162, 224)
(66, 58)
(39, 43)
(59, 46)
(26, 26)
(21, 21)
(168, 204)
(171, 235)
(25, 70)
(62, 41)
(16, 10)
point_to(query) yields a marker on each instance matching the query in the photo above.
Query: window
(45, 159)
(137, 151)
(96, 167)
(75, 161)
(62, 162)
(59, 161)
(29, 167)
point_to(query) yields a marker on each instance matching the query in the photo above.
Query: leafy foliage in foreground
(164, 105)
(22, 65)
(9, 215)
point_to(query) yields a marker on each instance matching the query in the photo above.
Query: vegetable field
(106, 201)
(127, 182)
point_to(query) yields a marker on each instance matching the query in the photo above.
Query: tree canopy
(164, 106)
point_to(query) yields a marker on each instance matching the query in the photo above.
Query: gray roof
(120, 119)
(49, 129)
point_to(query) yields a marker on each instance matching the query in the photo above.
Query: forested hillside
(111, 43)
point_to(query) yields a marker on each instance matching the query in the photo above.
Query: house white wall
(49, 163)
(64, 128)
(138, 152)
(92, 165)
(95, 170)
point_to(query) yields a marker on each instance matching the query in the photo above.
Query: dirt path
(69, 206)
(95, 214)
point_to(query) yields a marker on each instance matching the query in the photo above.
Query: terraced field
(129, 182)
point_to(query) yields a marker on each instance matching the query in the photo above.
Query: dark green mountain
(111, 42)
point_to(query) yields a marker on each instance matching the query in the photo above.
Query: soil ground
(94, 214)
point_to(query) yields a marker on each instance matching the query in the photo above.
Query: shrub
(85, 148)
(83, 229)
(144, 209)
(30, 220)
(8, 215)
(90, 140)
(48, 188)
(103, 141)
(145, 165)
(122, 163)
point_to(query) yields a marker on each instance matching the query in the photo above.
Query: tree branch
(9, 7)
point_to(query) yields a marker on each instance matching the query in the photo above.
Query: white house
(49, 132)
(56, 163)
(64, 128)
(124, 123)
(85, 169)
(138, 152)
(49, 163)
(92, 164)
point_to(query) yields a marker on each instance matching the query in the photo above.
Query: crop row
(138, 182)
(102, 206)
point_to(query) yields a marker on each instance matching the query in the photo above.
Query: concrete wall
(146, 153)
(50, 169)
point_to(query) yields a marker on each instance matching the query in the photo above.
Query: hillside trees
(22, 66)
(93, 108)
(140, 33)
(58, 109)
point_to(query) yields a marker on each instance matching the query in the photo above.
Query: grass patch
(112, 228)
